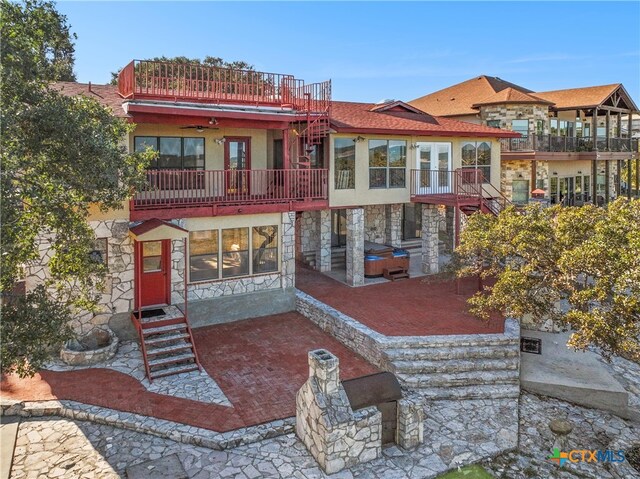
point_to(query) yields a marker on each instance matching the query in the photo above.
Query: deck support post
(323, 251)
(430, 239)
(355, 247)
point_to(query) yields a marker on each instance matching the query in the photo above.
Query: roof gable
(397, 106)
(589, 97)
(511, 95)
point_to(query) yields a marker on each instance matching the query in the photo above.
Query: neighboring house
(575, 143)
(253, 169)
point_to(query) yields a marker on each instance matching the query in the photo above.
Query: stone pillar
(355, 247)
(323, 250)
(430, 263)
(325, 368)
(450, 226)
(393, 224)
(410, 430)
(288, 246)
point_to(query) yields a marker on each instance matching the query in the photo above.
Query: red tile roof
(105, 94)
(458, 99)
(350, 117)
(510, 95)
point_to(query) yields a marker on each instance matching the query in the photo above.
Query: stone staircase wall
(439, 367)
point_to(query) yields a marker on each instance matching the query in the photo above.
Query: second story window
(175, 153)
(520, 126)
(344, 154)
(493, 123)
(387, 163)
(477, 154)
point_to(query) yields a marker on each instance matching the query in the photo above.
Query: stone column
(393, 224)
(450, 226)
(430, 264)
(323, 250)
(355, 246)
(288, 247)
(324, 367)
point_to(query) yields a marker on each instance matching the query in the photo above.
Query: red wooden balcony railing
(144, 79)
(194, 188)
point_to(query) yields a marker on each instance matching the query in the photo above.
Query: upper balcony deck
(165, 81)
(566, 144)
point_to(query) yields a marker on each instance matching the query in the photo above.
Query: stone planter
(95, 347)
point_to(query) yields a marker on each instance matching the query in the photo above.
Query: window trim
(335, 164)
(476, 145)
(387, 168)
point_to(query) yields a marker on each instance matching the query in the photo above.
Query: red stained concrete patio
(421, 306)
(259, 363)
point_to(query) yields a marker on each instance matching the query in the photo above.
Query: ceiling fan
(198, 128)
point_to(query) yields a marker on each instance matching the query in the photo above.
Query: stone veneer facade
(117, 296)
(506, 113)
(430, 239)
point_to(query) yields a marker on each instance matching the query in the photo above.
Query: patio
(259, 364)
(421, 306)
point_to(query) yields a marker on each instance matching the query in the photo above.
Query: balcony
(190, 193)
(153, 80)
(551, 144)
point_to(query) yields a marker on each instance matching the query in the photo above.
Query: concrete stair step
(181, 368)
(453, 353)
(451, 341)
(174, 348)
(469, 378)
(455, 365)
(471, 392)
(177, 358)
(164, 329)
(165, 338)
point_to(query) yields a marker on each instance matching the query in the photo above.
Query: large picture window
(344, 154)
(233, 252)
(520, 126)
(203, 255)
(175, 153)
(477, 154)
(387, 163)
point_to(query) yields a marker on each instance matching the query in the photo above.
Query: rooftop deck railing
(552, 143)
(193, 188)
(145, 79)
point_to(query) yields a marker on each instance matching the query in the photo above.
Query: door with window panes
(433, 160)
(154, 275)
(237, 165)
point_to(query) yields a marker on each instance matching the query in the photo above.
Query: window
(235, 252)
(520, 192)
(477, 155)
(98, 253)
(520, 126)
(151, 256)
(387, 163)
(173, 152)
(553, 193)
(265, 249)
(345, 163)
(540, 127)
(203, 255)
(553, 126)
(493, 123)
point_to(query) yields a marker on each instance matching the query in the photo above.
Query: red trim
(133, 108)
(192, 120)
(462, 134)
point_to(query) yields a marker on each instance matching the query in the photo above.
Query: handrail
(148, 79)
(191, 188)
(556, 143)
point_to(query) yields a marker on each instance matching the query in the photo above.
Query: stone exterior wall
(393, 224)
(335, 435)
(355, 247)
(117, 294)
(514, 170)
(309, 240)
(375, 223)
(506, 113)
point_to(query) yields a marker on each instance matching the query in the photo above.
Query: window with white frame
(387, 163)
(477, 154)
(232, 252)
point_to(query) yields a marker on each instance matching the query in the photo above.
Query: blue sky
(374, 50)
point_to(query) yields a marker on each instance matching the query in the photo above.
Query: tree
(208, 61)
(579, 267)
(60, 155)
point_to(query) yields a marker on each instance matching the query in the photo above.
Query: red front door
(155, 272)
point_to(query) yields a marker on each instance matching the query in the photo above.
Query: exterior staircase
(453, 369)
(167, 344)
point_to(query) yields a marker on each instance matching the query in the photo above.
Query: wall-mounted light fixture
(358, 139)
(520, 175)
(413, 146)
(579, 172)
(555, 173)
(220, 141)
(199, 129)
(213, 121)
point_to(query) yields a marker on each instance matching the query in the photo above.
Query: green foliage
(579, 267)
(59, 156)
(208, 61)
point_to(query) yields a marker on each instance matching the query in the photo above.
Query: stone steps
(468, 341)
(455, 365)
(445, 353)
(467, 378)
(500, 391)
